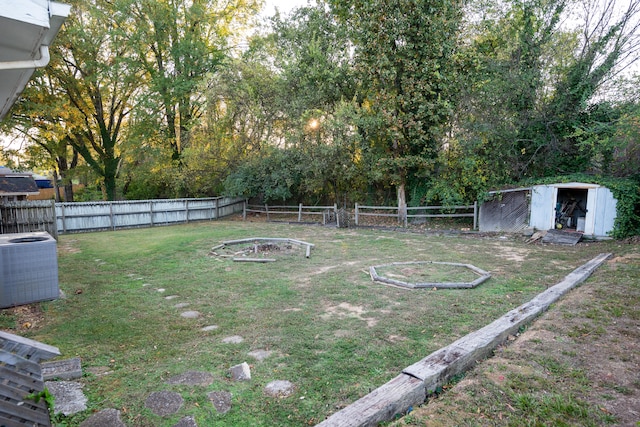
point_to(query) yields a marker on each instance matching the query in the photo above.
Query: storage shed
(586, 208)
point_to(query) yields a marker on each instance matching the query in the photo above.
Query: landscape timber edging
(400, 394)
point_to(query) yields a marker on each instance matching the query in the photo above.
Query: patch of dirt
(27, 317)
(346, 310)
(68, 247)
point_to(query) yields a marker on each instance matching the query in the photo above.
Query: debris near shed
(562, 237)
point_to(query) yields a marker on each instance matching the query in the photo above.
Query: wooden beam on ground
(254, 260)
(441, 366)
(382, 404)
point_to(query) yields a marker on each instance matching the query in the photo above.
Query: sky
(284, 6)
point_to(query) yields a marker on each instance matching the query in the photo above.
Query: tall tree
(403, 53)
(180, 44)
(92, 68)
(532, 95)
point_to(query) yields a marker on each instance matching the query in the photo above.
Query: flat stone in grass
(186, 422)
(241, 372)
(68, 395)
(190, 314)
(164, 403)
(171, 297)
(104, 418)
(181, 305)
(234, 339)
(161, 290)
(279, 388)
(221, 401)
(209, 328)
(69, 369)
(192, 378)
(260, 354)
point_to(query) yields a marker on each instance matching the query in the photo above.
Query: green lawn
(333, 332)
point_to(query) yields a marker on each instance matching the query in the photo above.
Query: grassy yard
(332, 332)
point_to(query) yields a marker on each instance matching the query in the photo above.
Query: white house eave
(27, 28)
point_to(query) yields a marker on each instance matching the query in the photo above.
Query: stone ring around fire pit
(258, 247)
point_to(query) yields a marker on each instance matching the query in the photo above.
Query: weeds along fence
(42, 215)
(361, 215)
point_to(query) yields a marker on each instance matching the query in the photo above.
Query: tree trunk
(402, 202)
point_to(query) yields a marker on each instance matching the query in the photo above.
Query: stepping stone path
(260, 354)
(69, 398)
(190, 314)
(221, 401)
(104, 418)
(164, 403)
(240, 372)
(279, 388)
(181, 305)
(186, 422)
(69, 369)
(192, 378)
(234, 339)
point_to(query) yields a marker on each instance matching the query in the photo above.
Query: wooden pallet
(20, 377)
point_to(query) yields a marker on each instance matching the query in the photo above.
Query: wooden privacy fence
(324, 214)
(54, 218)
(96, 216)
(28, 215)
(342, 218)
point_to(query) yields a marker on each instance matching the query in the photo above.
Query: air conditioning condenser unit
(28, 268)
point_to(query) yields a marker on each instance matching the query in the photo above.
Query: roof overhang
(27, 28)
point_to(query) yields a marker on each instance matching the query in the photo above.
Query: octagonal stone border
(265, 239)
(484, 276)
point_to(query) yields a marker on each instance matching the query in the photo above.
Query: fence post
(406, 216)
(356, 214)
(54, 226)
(244, 210)
(475, 215)
(186, 207)
(300, 212)
(151, 212)
(266, 208)
(335, 211)
(217, 208)
(64, 220)
(113, 224)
